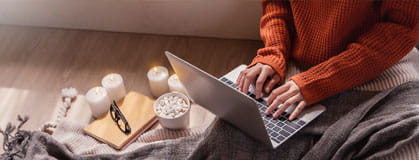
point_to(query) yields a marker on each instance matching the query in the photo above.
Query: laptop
(222, 97)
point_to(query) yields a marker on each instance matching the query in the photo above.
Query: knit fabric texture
(406, 70)
(343, 43)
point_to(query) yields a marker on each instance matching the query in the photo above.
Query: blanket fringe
(68, 97)
(14, 139)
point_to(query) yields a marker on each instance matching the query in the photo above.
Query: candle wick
(156, 71)
(97, 91)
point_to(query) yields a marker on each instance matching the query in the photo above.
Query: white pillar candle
(114, 84)
(98, 100)
(157, 78)
(175, 84)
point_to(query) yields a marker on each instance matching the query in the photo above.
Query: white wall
(212, 18)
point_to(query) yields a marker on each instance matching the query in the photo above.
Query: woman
(344, 44)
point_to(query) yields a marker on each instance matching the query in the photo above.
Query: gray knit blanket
(356, 125)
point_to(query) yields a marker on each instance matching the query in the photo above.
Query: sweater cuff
(274, 61)
(309, 91)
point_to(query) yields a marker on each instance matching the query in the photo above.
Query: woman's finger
(287, 95)
(238, 80)
(260, 82)
(241, 79)
(273, 106)
(249, 78)
(297, 110)
(292, 100)
(276, 92)
(271, 83)
(279, 111)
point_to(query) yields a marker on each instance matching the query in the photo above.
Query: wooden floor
(35, 63)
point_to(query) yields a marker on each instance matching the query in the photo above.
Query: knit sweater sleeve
(372, 53)
(274, 31)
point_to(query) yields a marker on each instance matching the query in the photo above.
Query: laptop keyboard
(279, 129)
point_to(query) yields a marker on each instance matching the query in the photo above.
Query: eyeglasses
(119, 118)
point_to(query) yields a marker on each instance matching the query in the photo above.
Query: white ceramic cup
(180, 121)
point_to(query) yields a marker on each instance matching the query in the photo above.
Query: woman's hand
(259, 73)
(284, 96)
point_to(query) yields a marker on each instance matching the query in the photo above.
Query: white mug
(180, 121)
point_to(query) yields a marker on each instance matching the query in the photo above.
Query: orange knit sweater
(345, 42)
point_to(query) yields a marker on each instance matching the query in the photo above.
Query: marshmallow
(171, 106)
